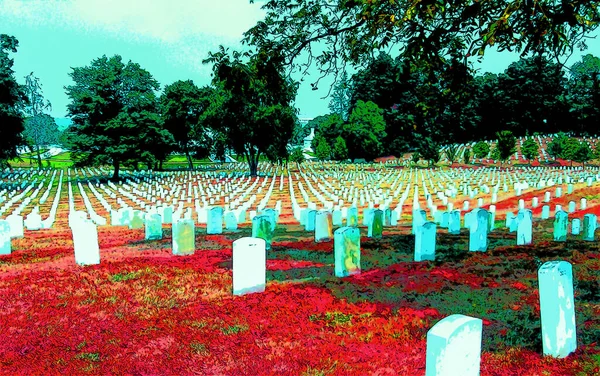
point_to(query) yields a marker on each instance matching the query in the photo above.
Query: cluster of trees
(425, 96)
(424, 109)
(571, 149)
(120, 118)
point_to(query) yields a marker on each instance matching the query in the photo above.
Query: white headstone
(454, 347)
(249, 266)
(557, 308)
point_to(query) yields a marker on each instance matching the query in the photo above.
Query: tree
(467, 156)
(506, 144)
(252, 111)
(12, 98)
(570, 148)
(322, 148)
(583, 153)
(340, 151)
(481, 149)
(365, 131)
(584, 94)
(40, 128)
(340, 99)
(451, 153)
(556, 146)
(530, 97)
(112, 107)
(182, 105)
(333, 35)
(297, 156)
(530, 149)
(415, 157)
(430, 151)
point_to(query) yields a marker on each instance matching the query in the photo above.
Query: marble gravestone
(249, 265)
(262, 229)
(557, 308)
(323, 226)
(352, 217)
(5, 244)
(425, 242)
(561, 223)
(479, 230)
(589, 227)
(454, 347)
(85, 242)
(375, 229)
(184, 237)
(214, 221)
(346, 249)
(153, 227)
(524, 227)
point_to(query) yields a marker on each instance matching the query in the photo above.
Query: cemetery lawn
(144, 311)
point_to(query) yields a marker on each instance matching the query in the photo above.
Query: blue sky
(168, 38)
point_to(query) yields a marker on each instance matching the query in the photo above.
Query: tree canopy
(12, 98)
(251, 112)
(333, 34)
(113, 108)
(40, 128)
(182, 107)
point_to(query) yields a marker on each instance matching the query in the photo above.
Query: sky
(167, 38)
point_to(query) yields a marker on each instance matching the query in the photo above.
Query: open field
(142, 310)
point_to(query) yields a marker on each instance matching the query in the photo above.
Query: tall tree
(182, 106)
(335, 34)
(252, 113)
(112, 107)
(506, 145)
(365, 131)
(530, 149)
(12, 98)
(341, 96)
(530, 97)
(40, 128)
(584, 94)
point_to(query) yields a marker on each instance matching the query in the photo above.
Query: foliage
(584, 94)
(481, 149)
(330, 127)
(12, 97)
(416, 157)
(340, 98)
(182, 106)
(506, 144)
(113, 108)
(365, 131)
(530, 149)
(251, 112)
(555, 147)
(40, 128)
(340, 151)
(467, 156)
(297, 156)
(530, 97)
(583, 153)
(334, 35)
(429, 151)
(451, 153)
(322, 148)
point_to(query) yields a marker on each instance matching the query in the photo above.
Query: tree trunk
(116, 170)
(189, 158)
(252, 163)
(39, 156)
